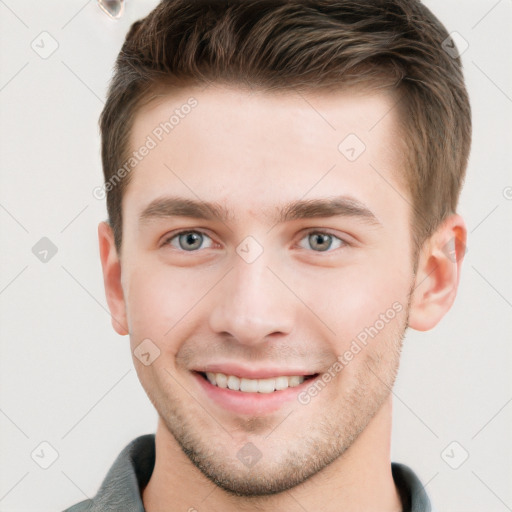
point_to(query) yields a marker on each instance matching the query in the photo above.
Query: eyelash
(344, 242)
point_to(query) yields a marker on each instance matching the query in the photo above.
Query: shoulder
(412, 491)
(83, 506)
(121, 488)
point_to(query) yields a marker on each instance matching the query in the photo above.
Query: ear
(111, 266)
(438, 274)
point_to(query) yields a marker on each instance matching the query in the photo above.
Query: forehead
(254, 150)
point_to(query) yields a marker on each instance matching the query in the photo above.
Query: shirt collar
(133, 467)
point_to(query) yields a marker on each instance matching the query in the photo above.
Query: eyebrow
(339, 206)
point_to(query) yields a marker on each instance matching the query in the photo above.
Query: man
(282, 180)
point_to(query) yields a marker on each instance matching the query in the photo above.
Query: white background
(67, 378)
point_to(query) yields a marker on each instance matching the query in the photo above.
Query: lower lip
(250, 403)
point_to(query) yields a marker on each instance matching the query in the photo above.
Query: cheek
(161, 299)
(155, 301)
(369, 302)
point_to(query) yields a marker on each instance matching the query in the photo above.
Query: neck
(359, 480)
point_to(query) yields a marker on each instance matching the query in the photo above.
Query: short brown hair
(398, 45)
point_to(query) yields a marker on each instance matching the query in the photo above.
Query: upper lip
(252, 373)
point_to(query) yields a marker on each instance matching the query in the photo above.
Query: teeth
(294, 381)
(219, 379)
(233, 383)
(249, 385)
(281, 383)
(253, 385)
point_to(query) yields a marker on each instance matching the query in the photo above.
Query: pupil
(321, 241)
(191, 241)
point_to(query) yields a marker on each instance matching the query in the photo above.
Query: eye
(189, 241)
(321, 242)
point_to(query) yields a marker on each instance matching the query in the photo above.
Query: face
(261, 239)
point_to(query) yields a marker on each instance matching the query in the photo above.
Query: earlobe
(111, 266)
(438, 274)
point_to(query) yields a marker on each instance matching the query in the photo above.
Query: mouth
(252, 397)
(245, 385)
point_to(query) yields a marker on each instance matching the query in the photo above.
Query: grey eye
(321, 242)
(190, 240)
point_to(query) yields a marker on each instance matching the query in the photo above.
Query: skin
(294, 305)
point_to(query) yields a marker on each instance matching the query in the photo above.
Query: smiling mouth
(244, 385)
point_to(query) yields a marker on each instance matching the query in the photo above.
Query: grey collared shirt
(131, 471)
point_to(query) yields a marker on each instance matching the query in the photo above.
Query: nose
(251, 303)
